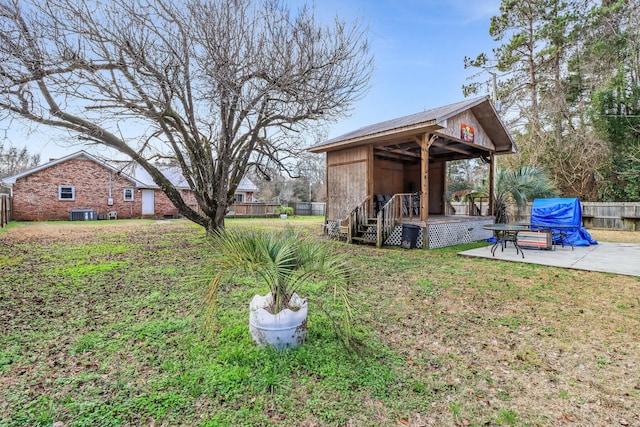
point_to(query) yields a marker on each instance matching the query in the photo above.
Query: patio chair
(415, 200)
(378, 203)
(405, 205)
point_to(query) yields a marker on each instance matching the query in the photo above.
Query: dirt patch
(72, 231)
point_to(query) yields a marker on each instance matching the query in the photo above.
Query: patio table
(505, 233)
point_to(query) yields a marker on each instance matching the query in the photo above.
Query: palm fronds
(280, 260)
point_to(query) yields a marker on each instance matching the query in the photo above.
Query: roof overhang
(399, 136)
(80, 155)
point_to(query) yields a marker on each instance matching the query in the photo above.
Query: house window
(239, 197)
(66, 192)
(128, 194)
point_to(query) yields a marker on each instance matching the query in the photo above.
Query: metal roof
(433, 119)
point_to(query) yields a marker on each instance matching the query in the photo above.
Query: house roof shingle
(77, 155)
(134, 173)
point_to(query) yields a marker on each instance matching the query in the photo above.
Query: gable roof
(80, 155)
(434, 118)
(135, 173)
(175, 175)
(246, 185)
(171, 172)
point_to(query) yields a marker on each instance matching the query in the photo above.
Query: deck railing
(402, 206)
(359, 217)
(386, 221)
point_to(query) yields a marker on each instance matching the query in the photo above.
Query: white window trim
(124, 194)
(73, 192)
(243, 196)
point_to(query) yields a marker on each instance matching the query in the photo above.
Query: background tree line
(567, 75)
(14, 160)
(304, 182)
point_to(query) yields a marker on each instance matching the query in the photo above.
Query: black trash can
(409, 236)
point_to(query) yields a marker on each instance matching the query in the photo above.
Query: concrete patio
(618, 258)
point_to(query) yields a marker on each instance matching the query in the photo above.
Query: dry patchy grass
(455, 341)
(615, 236)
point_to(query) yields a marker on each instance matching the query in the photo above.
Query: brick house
(81, 186)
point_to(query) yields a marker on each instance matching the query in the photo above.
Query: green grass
(108, 329)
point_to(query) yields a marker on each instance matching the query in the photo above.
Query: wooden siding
(347, 156)
(388, 176)
(346, 180)
(436, 188)
(411, 178)
(453, 129)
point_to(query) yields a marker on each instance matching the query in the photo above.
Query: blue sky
(419, 46)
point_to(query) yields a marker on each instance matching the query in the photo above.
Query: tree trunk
(217, 221)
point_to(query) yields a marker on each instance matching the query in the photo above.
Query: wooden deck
(444, 219)
(440, 231)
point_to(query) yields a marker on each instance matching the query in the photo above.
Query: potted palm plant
(282, 263)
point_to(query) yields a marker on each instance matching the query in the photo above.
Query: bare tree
(14, 160)
(217, 86)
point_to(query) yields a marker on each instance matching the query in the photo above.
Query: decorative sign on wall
(466, 133)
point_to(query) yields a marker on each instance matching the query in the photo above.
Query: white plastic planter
(286, 329)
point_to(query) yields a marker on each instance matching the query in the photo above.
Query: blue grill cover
(565, 211)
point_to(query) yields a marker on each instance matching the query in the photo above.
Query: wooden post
(370, 172)
(379, 241)
(3, 210)
(326, 189)
(492, 179)
(425, 143)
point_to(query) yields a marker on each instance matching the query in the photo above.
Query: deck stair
(366, 232)
(364, 225)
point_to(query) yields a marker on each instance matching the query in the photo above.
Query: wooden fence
(479, 207)
(607, 215)
(251, 210)
(309, 208)
(5, 209)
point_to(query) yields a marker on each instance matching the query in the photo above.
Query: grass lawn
(102, 325)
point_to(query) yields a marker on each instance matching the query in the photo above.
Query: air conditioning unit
(82, 215)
